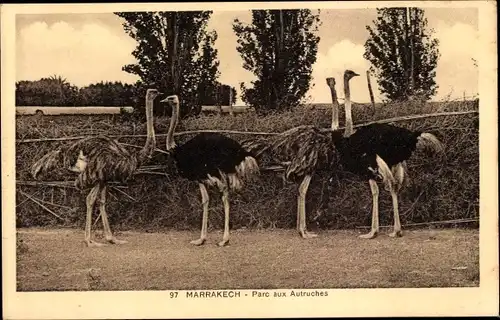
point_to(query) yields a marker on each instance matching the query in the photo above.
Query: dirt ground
(56, 259)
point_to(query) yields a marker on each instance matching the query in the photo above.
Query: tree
(170, 53)
(403, 53)
(209, 67)
(227, 92)
(218, 95)
(107, 94)
(279, 47)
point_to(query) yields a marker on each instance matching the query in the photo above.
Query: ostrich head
(349, 74)
(151, 94)
(330, 82)
(174, 99)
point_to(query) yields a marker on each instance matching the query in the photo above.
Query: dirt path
(55, 259)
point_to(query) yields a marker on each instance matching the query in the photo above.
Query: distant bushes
(440, 188)
(56, 91)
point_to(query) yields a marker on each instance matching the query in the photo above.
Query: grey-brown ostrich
(379, 152)
(98, 161)
(303, 151)
(211, 159)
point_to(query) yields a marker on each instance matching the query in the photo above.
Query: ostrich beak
(170, 99)
(355, 74)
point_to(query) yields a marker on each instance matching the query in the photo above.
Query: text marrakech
(213, 294)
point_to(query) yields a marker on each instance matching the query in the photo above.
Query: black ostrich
(379, 152)
(98, 161)
(211, 159)
(303, 151)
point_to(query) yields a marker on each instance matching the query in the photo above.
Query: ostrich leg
(398, 173)
(301, 209)
(397, 224)
(91, 199)
(204, 222)
(107, 230)
(375, 227)
(225, 200)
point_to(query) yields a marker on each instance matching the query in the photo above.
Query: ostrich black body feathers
(208, 154)
(393, 144)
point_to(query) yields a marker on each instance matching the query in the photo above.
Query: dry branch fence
(142, 170)
(391, 120)
(441, 190)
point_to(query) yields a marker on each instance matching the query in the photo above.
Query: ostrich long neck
(335, 104)
(348, 115)
(173, 124)
(150, 145)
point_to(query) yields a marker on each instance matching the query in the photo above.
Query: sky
(88, 48)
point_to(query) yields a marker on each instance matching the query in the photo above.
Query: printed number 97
(173, 294)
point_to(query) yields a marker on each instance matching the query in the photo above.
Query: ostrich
(97, 161)
(379, 152)
(211, 159)
(303, 150)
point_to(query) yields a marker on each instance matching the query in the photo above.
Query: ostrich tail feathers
(47, 163)
(245, 171)
(248, 168)
(256, 147)
(428, 141)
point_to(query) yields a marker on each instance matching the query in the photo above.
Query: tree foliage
(219, 95)
(56, 91)
(108, 94)
(279, 47)
(175, 53)
(403, 53)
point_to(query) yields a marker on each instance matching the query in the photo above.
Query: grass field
(56, 260)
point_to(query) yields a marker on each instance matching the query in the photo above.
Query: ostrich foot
(373, 234)
(198, 242)
(113, 240)
(396, 234)
(307, 235)
(223, 243)
(93, 244)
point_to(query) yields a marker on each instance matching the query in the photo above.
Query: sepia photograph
(162, 160)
